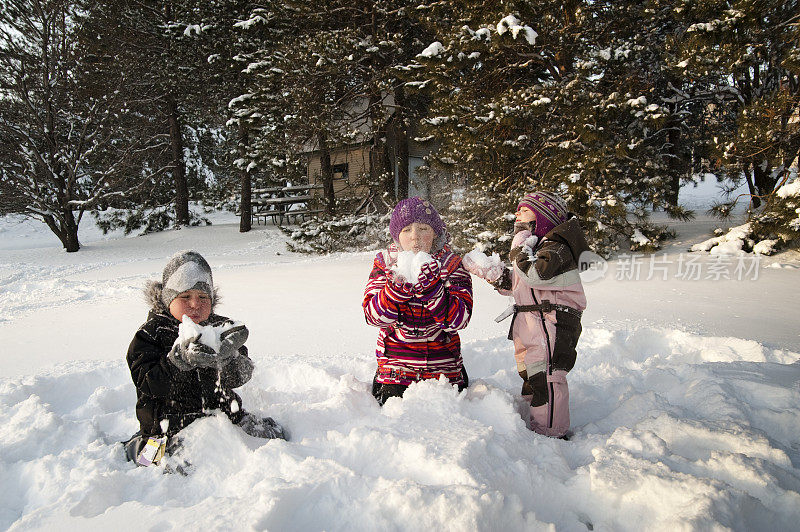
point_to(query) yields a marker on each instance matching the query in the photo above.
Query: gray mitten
(230, 342)
(201, 356)
(177, 355)
(262, 427)
(191, 354)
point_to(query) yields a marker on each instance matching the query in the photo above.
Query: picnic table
(277, 203)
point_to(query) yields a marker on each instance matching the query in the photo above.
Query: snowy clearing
(685, 400)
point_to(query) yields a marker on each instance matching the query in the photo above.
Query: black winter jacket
(166, 394)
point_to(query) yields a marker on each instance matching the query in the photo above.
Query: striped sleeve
(452, 306)
(380, 310)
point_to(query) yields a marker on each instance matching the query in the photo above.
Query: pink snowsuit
(545, 338)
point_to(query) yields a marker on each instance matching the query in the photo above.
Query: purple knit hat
(416, 209)
(550, 210)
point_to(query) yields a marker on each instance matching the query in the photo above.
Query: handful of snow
(483, 266)
(408, 265)
(529, 245)
(207, 335)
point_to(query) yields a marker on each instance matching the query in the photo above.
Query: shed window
(339, 171)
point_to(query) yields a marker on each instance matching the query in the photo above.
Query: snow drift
(673, 429)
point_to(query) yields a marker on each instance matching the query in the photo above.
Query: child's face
(525, 215)
(194, 303)
(417, 237)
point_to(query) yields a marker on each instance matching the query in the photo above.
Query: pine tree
(745, 53)
(473, 74)
(163, 50)
(295, 91)
(61, 144)
(581, 105)
(216, 39)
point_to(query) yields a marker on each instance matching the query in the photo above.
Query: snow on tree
(778, 224)
(745, 54)
(60, 145)
(538, 96)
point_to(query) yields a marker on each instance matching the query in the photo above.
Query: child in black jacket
(186, 360)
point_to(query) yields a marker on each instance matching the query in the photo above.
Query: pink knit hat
(550, 210)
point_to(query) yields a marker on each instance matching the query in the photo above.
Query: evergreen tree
(778, 224)
(61, 145)
(221, 48)
(165, 50)
(745, 54)
(582, 105)
(294, 91)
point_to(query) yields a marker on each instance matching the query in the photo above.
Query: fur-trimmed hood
(152, 295)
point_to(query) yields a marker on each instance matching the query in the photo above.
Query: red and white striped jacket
(418, 338)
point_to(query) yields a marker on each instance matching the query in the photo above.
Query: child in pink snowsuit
(549, 301)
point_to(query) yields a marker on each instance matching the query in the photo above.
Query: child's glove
(429, 275)
(520, 238)
(265, 427)
(190, 354)
(519, 257)
(230, 342)
(397, 289)
(523, 255)
(472, 266)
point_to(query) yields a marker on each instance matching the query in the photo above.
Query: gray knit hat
(186, 270)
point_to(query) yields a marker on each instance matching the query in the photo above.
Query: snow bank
(731, 243)
(671, 430)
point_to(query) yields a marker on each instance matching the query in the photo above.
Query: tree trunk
(401, 143)
(763, 178)
(674, 186)
(754, 201)
(327, 174)
(246, 206)
(378, 154)
(70, 240)
(378, 164)
(178, 166)
(66, 231)
(389, 183)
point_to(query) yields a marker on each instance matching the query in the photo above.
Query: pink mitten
(428, 277)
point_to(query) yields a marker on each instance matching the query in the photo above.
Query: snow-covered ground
(685, 399)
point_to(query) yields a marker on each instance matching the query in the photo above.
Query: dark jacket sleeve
(152, 373)
(238, 370)
(553, 258)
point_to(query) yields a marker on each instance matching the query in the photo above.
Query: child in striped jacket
(549, 300)
(418, 317)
